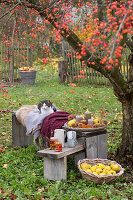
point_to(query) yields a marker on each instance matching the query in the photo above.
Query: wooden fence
(79, 73)
(12, 56)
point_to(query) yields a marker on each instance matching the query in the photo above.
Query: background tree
(106, 26)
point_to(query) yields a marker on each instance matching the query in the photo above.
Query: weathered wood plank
(19, 137)
(79, 156)
(91, 133)
(55, 169)
(66, 151)
(91, 147)
(102, 146)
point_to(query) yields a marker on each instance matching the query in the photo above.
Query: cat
(46, 107)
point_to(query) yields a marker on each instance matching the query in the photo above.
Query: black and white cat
(46, 107)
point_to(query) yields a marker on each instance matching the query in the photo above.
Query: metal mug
(71, 139)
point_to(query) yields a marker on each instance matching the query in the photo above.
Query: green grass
(23, 177)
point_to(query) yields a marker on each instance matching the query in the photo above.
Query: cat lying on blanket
(44, 107)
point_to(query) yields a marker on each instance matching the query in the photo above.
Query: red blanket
(53, 121)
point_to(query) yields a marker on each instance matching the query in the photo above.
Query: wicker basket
(99, 179)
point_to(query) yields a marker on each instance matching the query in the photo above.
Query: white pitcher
(59, 134)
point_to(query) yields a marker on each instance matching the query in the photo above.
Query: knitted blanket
(53, 121)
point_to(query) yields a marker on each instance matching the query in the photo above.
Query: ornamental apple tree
(99, 31)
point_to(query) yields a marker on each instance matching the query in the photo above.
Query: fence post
(63, 71)
(31, 56)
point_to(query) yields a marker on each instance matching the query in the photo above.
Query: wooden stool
(55, 163)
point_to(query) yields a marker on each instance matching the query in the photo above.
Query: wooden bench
(90, 145)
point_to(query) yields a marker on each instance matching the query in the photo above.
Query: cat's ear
(49, 103)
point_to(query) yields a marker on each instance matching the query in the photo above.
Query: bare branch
(9, 10)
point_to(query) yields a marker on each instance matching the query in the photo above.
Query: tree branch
(9, 10)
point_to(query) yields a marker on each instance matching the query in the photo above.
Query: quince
(71, 122)
(93, 168)
(96, 121)
(102, 174)
(105, 171)
(115, 167)
(102, 166)
(108, 168)
(111, 172)
(88, 170)
(95, 173)
(98, 170)
(85, 166)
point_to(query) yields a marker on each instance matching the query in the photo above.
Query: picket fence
(15, 55)
(79, 73)
(12, 56)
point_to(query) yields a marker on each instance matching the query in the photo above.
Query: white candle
(90, 122)
(79, 118)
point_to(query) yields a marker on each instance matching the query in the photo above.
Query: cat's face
(45, 106)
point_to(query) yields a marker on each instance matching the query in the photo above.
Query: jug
(59, 134)
(71, 138)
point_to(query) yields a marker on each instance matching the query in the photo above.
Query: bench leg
(55, 169)
(19, 137)
(96, 147)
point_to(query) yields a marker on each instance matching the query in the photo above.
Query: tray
(68, 128)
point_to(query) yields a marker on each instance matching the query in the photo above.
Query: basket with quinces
(100, 170)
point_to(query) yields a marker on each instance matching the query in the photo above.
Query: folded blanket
(53, 121)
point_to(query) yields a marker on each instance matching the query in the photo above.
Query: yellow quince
(115, 167)
(85, 166)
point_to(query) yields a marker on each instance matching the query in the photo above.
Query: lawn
(21, 170)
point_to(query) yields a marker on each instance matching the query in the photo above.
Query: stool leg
(55, 169)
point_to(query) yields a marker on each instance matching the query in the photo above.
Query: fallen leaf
(3, 133)
(1, 150)
(40, 189)
(5, 166)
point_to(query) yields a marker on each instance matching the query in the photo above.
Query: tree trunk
(126, 148)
